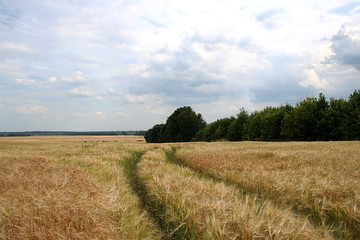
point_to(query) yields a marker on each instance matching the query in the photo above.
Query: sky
(93, 65)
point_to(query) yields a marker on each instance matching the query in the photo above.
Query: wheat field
(319, 179)
(69, 188)
(117, 187)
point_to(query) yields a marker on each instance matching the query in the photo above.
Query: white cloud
(111, 91)
(10, 46)
(52, 79)
(31, 109)
(25, 81)
(80, 92)
(312, 79)
(76, 79)
(144, 99)
(102, 116)
(134, 98)
(156, 111)
(122, 114)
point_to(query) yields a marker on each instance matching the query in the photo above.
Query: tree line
(312, 119)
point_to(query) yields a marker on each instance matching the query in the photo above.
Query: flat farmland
(119, 187)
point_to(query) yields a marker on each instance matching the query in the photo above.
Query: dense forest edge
(311, 119)
(71, 133)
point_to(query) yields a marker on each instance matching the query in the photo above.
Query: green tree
(255, 126)
(353, 117)
(336, 119)
(154, 135)
(216, 130)
(306, 121)
(182, 125)
(237, 128)
(272, 121)
(223, 128)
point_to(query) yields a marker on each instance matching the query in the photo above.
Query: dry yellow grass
(214, 210)
(63, 189)
(321, 178)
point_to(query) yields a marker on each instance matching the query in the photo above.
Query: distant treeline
(312, 119)
(70, 133)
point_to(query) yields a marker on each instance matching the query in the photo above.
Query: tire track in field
(331, 220)
(155, 208)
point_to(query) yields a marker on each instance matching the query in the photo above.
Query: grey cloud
(346, 48)
(183, 77)
(279, 82)
(179, 90)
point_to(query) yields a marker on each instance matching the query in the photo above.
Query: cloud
(199, 72)
(347, 9)
(122, 114)
(156, 111)
(144, 98)
(25, 81)
(312, 79)
(102, 116)
(278, 82)
(111, 91)
(11, 47)
(270, 18)
(134, 98)
(52, 79)
(346, 46)
(77, 92)
(31, 109)
(76, 79)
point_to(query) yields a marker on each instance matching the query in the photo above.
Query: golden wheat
(217, 211)
(76, 188)
(63, 189)
(321, 177)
